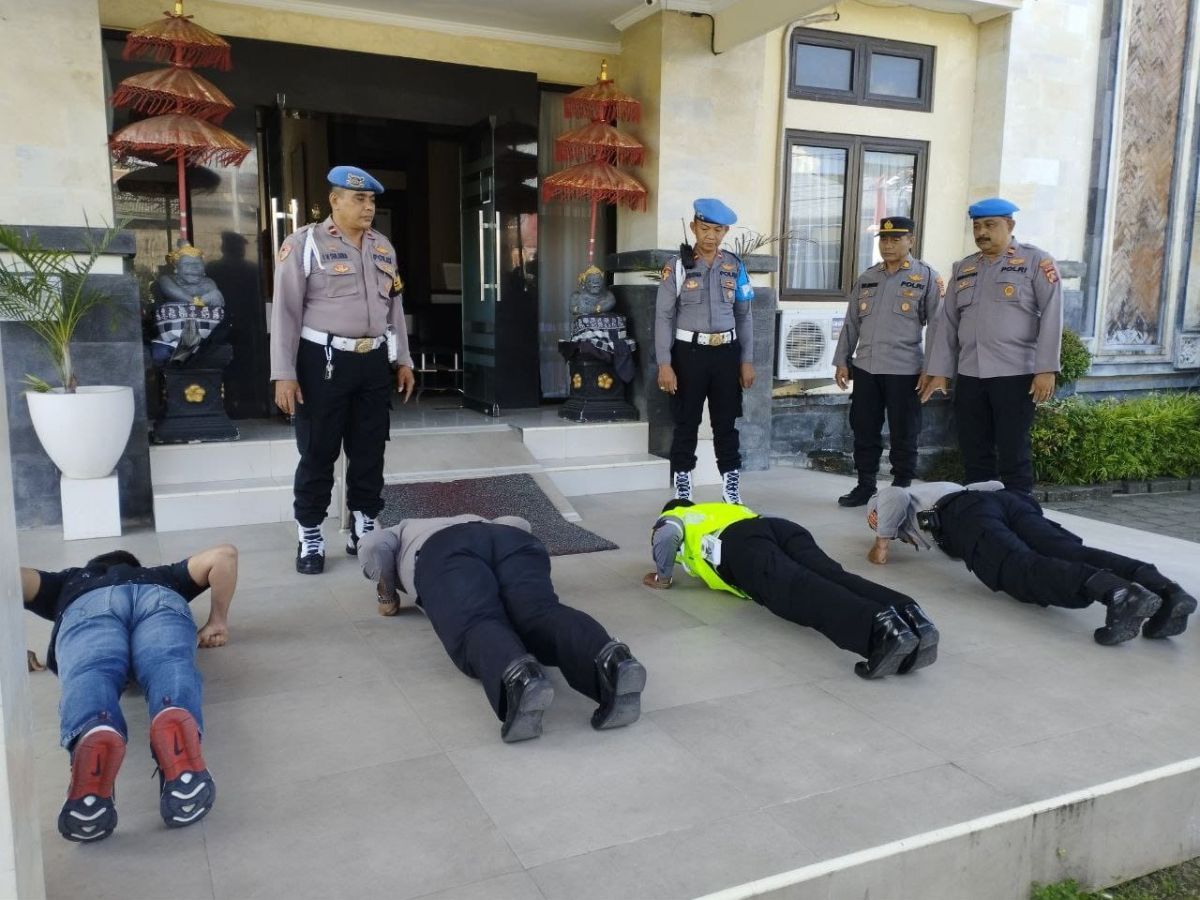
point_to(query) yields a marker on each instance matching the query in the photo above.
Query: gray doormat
(501, 495)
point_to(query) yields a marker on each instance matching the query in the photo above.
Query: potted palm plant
(83, 429)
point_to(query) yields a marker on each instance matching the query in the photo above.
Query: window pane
(816, 194)
(827, 68)
(887, 190)
(895, 76)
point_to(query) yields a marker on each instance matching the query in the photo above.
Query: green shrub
(1077, 441)
(1074, 359)
(1061, 890)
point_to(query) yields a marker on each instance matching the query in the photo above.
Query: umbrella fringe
(163, 50)
(634, 200)
(587, 108)
(155, 103)
(192, 156)
(564, 151)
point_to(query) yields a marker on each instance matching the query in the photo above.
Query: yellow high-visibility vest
(698, 521)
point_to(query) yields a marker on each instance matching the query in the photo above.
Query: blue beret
(714, 212)
(992, 206)
(352, 178)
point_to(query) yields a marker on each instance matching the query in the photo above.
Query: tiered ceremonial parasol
(597, 149)
(184, 107)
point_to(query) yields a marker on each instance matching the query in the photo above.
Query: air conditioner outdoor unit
(806, 341)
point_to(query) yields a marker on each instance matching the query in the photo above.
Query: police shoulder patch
(667, 270)
(285, 251)
(1049, 270)
(941, 286)
(397, 283)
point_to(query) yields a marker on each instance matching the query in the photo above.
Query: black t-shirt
(59, 590)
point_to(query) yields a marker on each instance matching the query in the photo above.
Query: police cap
(713, 211)
(896, 225)
(352, 178)
(992, 206)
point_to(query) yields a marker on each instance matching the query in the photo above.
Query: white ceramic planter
(83, 433)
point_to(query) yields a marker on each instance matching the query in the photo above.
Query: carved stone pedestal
(195, 408)
(597, 394)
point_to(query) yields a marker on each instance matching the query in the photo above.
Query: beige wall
(550, 64)
(641, 75)
(947, 128)
(1034, 116)
(54, 164)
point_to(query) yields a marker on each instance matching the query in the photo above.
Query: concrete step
(235, 501)
(609, 474)
(587, 440)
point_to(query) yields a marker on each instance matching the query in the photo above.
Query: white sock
(96, 728)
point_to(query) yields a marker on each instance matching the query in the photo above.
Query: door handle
(482, 276)
(496, 236)
(275, 227)
(294, 213)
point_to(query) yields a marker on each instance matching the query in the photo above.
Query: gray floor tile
(518, 886)
(677, 865)
(399, 830)
(574, 792)
(865, 815)
(787, 743)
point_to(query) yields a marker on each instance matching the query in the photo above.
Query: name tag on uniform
(710, 549)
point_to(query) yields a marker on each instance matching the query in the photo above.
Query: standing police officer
(1000, 332)
(704, 345)
(889, 307)
(337, 307)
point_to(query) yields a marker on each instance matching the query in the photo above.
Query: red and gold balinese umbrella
(601, 147)
(183, 106)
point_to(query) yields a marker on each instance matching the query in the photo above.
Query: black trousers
(1008, 543)
(994, 416)
(486, 590)
(780, 566)
(873, 397)
(350, 410)
(712, 374)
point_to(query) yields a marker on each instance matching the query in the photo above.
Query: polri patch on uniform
(691, 284)
(1048, 269)
(341, 269)
(284, 252)
(666, 271)
(1009, 290)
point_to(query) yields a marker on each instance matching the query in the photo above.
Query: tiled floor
(354, 760)
(1176, 513)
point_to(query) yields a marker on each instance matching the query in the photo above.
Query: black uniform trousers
(780, 566)
(873, 397)
(351, 409)
(1008, 543)
(486, 590)
(712, 374)
(994, 416)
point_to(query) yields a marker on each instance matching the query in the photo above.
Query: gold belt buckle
(716, 340)
(364, 345)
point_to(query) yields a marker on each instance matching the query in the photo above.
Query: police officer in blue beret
(1000, 333)
(339, 348)
(704, 346)
(890, 305)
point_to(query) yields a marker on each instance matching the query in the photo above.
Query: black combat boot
(892, 641)
(927, 634)
(527, 694)
(1129, 604)
(860, 495)
(310, 550)
(622, 679)
(1171, 618)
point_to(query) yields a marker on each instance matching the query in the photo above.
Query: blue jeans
(108, 631)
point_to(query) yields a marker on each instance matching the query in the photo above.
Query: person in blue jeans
(114, 617)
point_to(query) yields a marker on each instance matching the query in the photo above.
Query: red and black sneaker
(89, 813)
(186, 787)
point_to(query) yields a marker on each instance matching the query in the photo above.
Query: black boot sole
(307, 568)
(891, 663)
(926, 652)
(1127, 627)
(1173, 622)
(626, 706)
(526, 724)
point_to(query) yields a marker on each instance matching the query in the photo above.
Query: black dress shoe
(857, 497)
(527, 694)
(892, 641)
(622, 679)
(311, 564)
(1128, 605)
(927, 634)
(1171, 618)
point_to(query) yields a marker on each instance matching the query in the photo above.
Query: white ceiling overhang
(593, 26)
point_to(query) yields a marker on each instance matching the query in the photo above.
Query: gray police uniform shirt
(1000, 318)
(896, 508)
(885, 318)
(390, 554)
(351, 293)
(707, 303)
